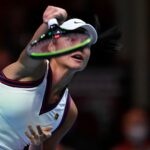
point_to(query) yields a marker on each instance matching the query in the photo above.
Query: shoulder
(25, 71)
(73, 111)
(66, 126)
(71, 116)
(69, 120)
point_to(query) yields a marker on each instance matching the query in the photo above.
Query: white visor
(75, 23)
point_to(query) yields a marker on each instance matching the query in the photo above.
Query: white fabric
(20, 107)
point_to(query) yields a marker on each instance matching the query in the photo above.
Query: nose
(85, 49)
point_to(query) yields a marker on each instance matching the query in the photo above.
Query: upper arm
(52, 142)
(25, 66)
(25, 70)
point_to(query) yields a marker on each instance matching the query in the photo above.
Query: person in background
(135, 130)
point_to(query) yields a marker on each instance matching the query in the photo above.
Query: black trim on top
(20, 84)
(65, 113)
(45, 106)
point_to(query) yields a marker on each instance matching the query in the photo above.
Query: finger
(55, 12)
(49, 128)
(47, 131)
(60, 18)
(44, 132)
(42, 135)
(30, 137)
(39, 129)
(32, 132)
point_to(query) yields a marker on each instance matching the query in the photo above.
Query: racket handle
(52, 22)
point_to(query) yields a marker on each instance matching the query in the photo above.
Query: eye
(73, 39)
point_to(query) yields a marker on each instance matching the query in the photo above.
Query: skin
(63, 70)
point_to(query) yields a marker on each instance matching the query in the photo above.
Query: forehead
(76, 37)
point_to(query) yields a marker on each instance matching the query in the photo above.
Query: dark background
(104, 91)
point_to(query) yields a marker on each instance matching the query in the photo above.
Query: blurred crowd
(134, 130)
(103, 122)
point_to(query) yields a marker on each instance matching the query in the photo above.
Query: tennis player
(36, 108)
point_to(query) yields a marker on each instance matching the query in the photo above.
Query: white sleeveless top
(21, 106)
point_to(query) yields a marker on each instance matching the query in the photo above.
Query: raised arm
(26, 68)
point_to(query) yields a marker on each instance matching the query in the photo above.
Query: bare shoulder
(25, 71)
(60, 133)
(73, 112)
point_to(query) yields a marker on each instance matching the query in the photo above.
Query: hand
(54, 12)
(39, 136)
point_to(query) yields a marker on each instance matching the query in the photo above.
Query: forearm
(42, 29)
(27, 61)
(49, 13)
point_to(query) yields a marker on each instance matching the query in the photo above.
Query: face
(135, 126)
(77, 60)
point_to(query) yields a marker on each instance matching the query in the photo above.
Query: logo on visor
(76, 22)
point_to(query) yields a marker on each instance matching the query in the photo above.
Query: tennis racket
(40, 48)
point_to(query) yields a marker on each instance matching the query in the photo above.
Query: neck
(61, 77)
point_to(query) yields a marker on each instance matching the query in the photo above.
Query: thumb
(47, 130)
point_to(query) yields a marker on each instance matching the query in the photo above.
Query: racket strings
(41, 46)
(57, 33)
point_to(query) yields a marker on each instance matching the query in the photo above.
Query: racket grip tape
(52, 22)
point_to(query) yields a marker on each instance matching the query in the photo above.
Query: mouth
(78, 57)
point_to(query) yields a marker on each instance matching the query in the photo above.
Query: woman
(35, 100)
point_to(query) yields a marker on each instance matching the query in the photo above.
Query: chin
(77, 68)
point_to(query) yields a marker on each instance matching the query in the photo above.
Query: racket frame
(55, 32)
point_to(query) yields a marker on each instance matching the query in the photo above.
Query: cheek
(87, 54)
(62, 59)
(87, 57)
(63, 42)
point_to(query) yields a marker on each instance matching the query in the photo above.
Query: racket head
(40, 48)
